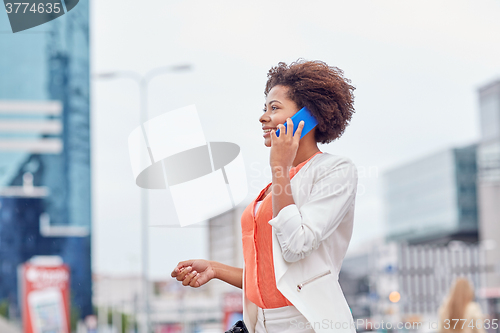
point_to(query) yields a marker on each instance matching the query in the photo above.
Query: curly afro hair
(322, 89)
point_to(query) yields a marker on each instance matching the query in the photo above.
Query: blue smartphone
(309, 122)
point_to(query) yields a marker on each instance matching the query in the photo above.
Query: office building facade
(45, 151)
(433, 199)
(488, 160)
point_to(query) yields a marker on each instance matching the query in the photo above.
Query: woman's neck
(304, 152)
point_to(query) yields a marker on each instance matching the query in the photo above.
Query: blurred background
(425, 139)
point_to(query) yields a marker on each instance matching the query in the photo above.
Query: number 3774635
(462, 323)
(35, 8)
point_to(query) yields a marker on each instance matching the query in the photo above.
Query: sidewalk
(6, 327)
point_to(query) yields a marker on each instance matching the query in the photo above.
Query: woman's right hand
(195, 272)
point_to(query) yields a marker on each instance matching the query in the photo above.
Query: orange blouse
(260, 283)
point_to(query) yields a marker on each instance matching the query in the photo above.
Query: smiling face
(278, 107)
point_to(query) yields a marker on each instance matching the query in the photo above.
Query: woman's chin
(267, 142)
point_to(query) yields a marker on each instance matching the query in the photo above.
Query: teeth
(268, 130)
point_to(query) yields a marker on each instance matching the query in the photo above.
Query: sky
(416, 66)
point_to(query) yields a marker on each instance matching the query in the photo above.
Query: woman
(459, 313)
(296, 232)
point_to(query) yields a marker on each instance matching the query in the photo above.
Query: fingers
(177, 270)
(289, 124)
(288, 130)
(182, 272)
(283, 130)
(180, 266)
(189, 277)
(194, 280)
(273, 136)
(298, 132)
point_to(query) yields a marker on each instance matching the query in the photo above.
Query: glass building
(433, 199)
(45, 151)
(489, 104)
(488, 161)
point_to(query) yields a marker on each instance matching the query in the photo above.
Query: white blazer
(310, 240)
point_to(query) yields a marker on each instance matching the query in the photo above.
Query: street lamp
(143, 83)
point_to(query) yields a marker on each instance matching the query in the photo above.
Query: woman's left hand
(284, 148)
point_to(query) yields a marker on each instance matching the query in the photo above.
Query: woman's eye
(272, 107)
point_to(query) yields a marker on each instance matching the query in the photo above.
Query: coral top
(260, 283)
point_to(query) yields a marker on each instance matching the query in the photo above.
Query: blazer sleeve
(300, 231)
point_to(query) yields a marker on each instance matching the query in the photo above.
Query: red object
(169, 328)
(45, 298)
(233, 305)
